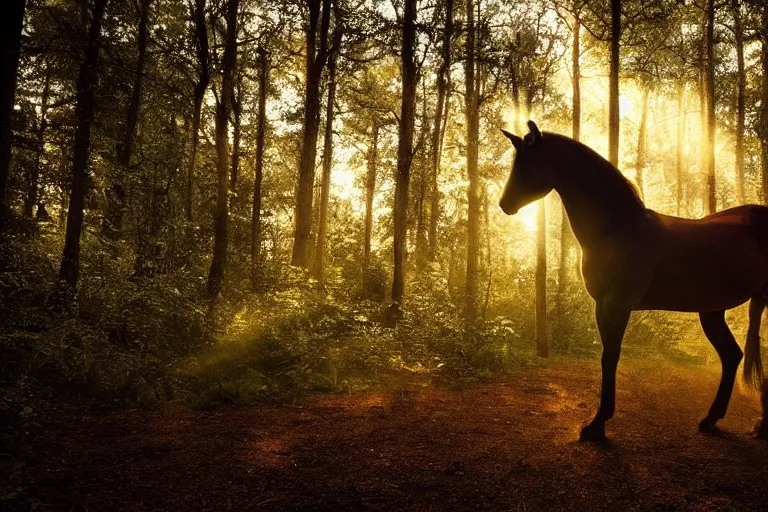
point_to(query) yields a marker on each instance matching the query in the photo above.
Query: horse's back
(746, 224)
(712, 263)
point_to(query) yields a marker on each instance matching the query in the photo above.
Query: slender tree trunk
(422, 181)
(69, 271)
(315, 63)
(473, 195)
(370, 190)
(404, 149)
(31, 200)
(740, 101)
(258, 176)
(201, 46)
(11, 25)
(132, 115)
(640, 163)
(112, 224)
(221, 213)
(441, 119)
(576, 79)
(703, 100)
(325, 183)
(566, 236)
(710, 203)
(763, 127)
(237, 114)
(680, 142)
(613, 86)
(542, 325)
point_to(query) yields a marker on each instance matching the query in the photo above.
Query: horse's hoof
(707, 425)
(592, 433)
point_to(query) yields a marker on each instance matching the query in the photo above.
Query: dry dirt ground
(506, 445)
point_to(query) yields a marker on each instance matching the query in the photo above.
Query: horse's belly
(709, 274)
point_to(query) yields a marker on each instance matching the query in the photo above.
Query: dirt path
(508, 445)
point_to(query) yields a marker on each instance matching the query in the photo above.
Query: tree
(258, 176)
(221, 213)
(613, 85)
(472, 106)
(10, 49)
(316, 57)
(69, 271)
(738, 32)
(112, 224)
(370, 190)
(325, 183)
(204, 78)
(763, 122)
(438, 127)
(405, 147)
(640, 162)
(681, 115)
(33, 182)
(542, 325)
(710, 199)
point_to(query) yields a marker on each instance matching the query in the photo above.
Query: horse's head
(529, 179)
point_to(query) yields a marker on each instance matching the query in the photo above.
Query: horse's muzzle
(509, 209)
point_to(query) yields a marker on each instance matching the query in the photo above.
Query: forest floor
(510, 444)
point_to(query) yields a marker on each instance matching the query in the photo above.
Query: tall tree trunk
(404, 149)
(566, 235)
(33, 185)
(710, 203)
(641, 143)
(421, 193)
(473, 196)
(441, 119)
(204, 78)
(112, 224)
(740, 101)
(258, 176)
(763, 127)
(10, 50)
(680, 141)
(576, 78)
(613, 86)
(237, 114)
(702, 52)
(542, 326)
(325, 183)
(315, 63)
(221, 213)
(370, 190)
(69, 271)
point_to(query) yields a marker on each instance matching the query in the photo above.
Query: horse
(633, 258)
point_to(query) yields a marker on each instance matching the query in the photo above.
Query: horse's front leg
(611, 322)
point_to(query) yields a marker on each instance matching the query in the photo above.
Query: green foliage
(281, 344)
(115, 344)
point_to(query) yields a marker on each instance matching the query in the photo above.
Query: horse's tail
(753, 363)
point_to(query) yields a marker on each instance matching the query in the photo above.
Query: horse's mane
(593, 172)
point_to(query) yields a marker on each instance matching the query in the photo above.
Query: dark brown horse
(634, 258)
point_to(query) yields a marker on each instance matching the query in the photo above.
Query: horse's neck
(589, 212)
(588, 220)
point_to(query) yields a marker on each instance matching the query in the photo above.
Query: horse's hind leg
(730, 353)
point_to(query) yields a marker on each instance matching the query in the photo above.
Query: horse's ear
(514, 139)
(535, 133)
